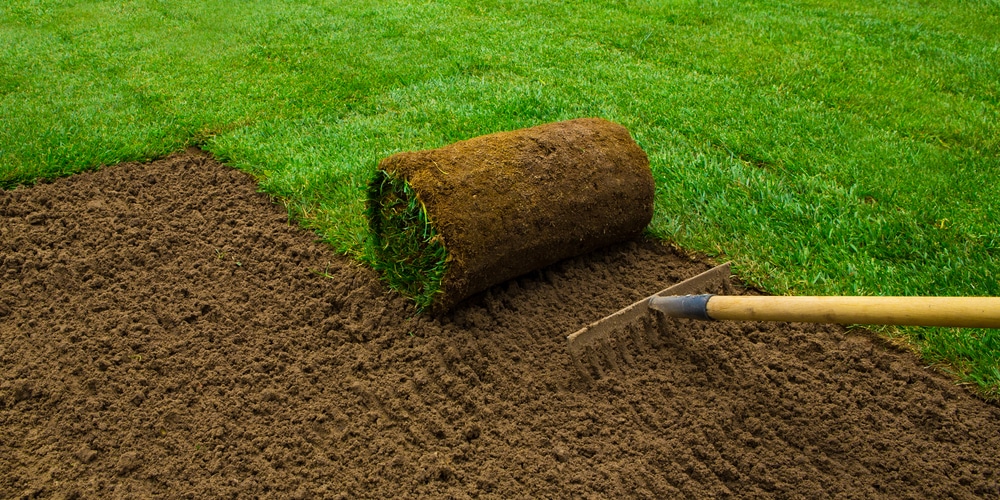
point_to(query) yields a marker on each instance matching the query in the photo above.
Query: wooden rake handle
(972, 312)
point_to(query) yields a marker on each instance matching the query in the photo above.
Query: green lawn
(827, 147)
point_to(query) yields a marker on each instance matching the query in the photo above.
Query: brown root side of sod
(508, 203)
(164, 331)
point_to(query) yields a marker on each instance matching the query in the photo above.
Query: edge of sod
(403, 245)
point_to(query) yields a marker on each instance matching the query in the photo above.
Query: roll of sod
(449, 222)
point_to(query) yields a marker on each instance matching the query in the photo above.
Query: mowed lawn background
(827, 147)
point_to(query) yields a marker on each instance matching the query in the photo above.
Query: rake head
(603, 342)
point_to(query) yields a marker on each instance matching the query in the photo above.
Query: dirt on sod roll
(449, 222)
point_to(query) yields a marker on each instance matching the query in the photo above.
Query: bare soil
(165, 331)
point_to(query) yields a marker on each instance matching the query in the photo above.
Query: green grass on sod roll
(845, 147)
(404, 245)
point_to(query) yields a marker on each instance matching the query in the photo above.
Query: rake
(690, 299)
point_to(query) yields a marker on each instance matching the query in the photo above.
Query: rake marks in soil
(165, 330)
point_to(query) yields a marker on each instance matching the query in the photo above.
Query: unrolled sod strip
(450, 222)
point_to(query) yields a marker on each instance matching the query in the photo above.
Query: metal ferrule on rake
(682, 306)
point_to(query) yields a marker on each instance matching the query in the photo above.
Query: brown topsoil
(164, 331)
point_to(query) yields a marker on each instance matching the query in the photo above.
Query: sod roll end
(450, 222)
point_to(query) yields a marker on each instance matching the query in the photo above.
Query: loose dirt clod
(453, 221)
(167, 333)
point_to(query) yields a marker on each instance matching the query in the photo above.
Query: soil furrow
(164, 331)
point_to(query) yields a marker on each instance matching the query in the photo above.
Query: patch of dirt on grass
(165, 331)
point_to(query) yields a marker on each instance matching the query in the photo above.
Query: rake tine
(637, 334)
(575, 354)
(601, 334)
(595, 362)
(652, 327)
(609, 354)
(623, 352)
